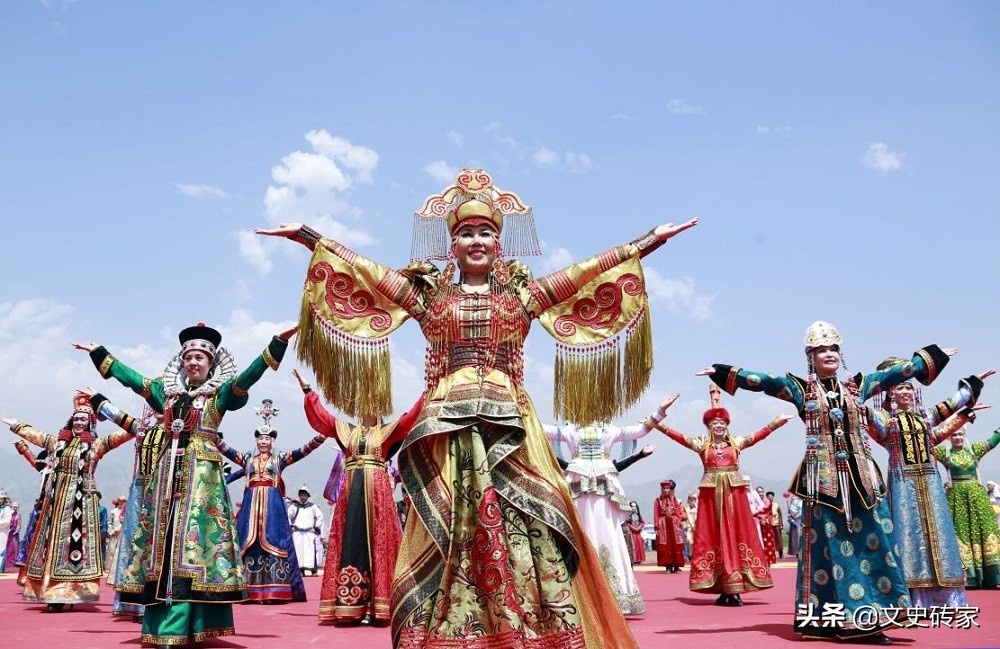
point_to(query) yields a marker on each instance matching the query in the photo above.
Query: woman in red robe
(668, 517)
(766, 529)
(365, 534)
(634, 526)
(727, 557)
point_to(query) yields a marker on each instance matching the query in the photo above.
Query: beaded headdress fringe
(353, 372)
(431, 239)
(592, 383)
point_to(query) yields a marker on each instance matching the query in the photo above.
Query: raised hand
(669, 401)
(783, 419)
(648, 450)
(669, 230)
(286, 230)
(302, 382)
(89, 391)
(950, 351)
(87, 347)
(708, 371)
(9, 422)
(987, 374)
(286, 335)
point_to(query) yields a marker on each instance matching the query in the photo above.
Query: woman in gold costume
(494, 554)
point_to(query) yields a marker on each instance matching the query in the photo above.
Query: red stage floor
(674, 617)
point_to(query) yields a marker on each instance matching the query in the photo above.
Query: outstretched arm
(238, 458)
(28, 455)
(629, 433)
(30, 434)
(967, 395)
(234, 393)
(401, 288)
(925, 365)
(621, 465)
(730, 379)
(775, 424)
(954, 424)
(563, 284)
(318, 417)
(291, 457)
(110, 367)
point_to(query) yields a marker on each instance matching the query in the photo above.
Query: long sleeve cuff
(97, 401)
(724, 376)
(102, 359)
(647, 243)
(975, 386)
(308, 237)
(275, 352)
(935, 360)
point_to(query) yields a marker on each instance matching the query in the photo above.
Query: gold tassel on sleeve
(595, 378)
(344, 324)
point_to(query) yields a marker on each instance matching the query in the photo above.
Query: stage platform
(675, 617)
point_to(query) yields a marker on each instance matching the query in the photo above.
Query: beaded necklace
(824, 413)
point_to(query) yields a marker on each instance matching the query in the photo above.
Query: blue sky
(843, 160)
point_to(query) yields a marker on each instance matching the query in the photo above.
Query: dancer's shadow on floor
(704, 601)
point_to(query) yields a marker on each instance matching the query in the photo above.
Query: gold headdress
(473, 195)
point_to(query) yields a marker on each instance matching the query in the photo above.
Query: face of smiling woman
(826, 360)
(196, 366)
(475, 247)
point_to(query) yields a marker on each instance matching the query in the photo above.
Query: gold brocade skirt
(493, 553)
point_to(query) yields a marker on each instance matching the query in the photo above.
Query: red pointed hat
(716, 411)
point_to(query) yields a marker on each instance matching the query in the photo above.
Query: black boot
(721, 600)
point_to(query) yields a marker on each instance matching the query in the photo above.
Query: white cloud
(359, 159)
(253, 252)
(556, 258)
(545, 156)
(36, 317)
(679, 295)
(880, 158)
(350, 237)
(578, 162)
(441, 171)
(683, 107)
(773, 130)
(621, 117)
(200, 191)
(310, 172)
(240, 291)
(493, 126)
(310, 187)
(455, 138)
(570, 161)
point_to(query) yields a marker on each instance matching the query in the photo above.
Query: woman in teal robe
(849, 560)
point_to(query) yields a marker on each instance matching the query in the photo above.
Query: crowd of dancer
(503, 543)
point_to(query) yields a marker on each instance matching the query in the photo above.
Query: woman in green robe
(185, 565)
(975, 522)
